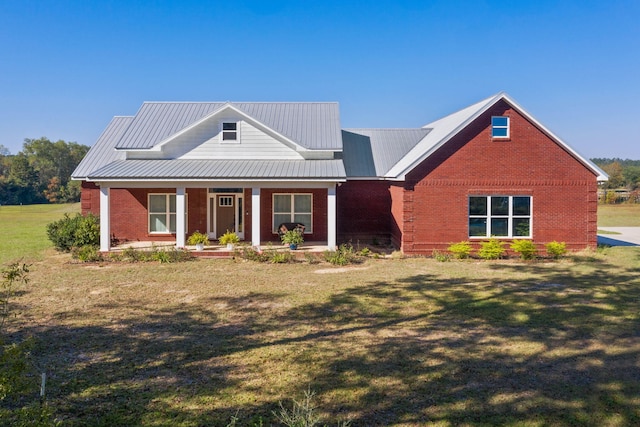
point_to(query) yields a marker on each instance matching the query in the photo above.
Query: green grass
(624, 215)
(24, 230)
(400, 342)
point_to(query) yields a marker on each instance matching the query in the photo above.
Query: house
(490, 169)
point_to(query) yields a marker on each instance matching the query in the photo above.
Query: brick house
(490, 169)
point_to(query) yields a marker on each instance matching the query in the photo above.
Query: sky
(68, 67)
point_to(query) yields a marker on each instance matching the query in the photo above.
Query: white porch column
(181, 226)
(255, 217)
(331, 218)
(105, 220)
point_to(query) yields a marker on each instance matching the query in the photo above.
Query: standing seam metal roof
(372, 152)
(221, 169)
(314, 126)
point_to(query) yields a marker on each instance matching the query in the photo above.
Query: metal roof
(220, 169)
(372, 152)
(102, 152)
(312, 125)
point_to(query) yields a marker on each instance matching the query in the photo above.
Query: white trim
(167, 213)
(507, 127)
(217, 182)
(105, 220)
(331, 218)
(308, 227)
(510, 216)
(181, 217)
(255, 217)
(237, 132)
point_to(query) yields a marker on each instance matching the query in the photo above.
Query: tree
(4, 151)
(616, 179)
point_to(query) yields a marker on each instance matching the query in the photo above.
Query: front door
(225, 214)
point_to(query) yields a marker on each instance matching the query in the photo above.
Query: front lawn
(403, 342)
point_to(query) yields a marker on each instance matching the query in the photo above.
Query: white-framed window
(230, 132)
(293, 208)
(500, 127)
(225, 201)
(162, 213)
(500, 216)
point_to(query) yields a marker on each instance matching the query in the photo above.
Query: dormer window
(230, 131)
(500, 127)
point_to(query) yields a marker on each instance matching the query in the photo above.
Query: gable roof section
(314, 126)
(444, 129)
(102, 152)
(220, 169)
(372, 152)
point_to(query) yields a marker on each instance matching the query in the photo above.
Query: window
(293, 208)
(229, 131)
(500, 216)
(225, 201)
(162, 213)
(499, 127)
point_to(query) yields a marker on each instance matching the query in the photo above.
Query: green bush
(556, 249)
(280, 257)
(492, 249)
(74, 232)
(343, 256)
(441, 256)
(87, 253)
(525, 248)
(460, 250)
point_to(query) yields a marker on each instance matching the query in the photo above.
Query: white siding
(203, 143)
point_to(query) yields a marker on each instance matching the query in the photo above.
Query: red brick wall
(529, 163)
(363, 211)
(89, 198)
(319, 213)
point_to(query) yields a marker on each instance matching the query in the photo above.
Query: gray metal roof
(220, 169)
(312, 125)
(102, 152)
(372, 152)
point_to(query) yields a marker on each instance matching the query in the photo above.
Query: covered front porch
(170, 212)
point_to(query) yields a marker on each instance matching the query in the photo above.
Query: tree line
(41, 172)
(623, 174)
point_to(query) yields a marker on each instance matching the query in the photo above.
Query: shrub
(343, 256)
(492, 249)
(525, 248)
(460, 250)
(277, 257)
(441, 256)
(87, 253)
(198, 238)
(556, 249)
(251, 254)
(74, 232)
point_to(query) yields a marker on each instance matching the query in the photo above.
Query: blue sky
(67, 67)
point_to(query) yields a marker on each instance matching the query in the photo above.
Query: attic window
(500, 127)
(229, 131)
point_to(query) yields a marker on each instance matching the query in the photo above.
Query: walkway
(628, 236)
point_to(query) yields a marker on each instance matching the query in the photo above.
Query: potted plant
(229, 238)
(293, 238)
(198, 239)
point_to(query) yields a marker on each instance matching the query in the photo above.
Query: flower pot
(199, 246)
(293, 246)
(229, 246)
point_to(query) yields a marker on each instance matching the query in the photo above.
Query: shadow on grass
(557, 347)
